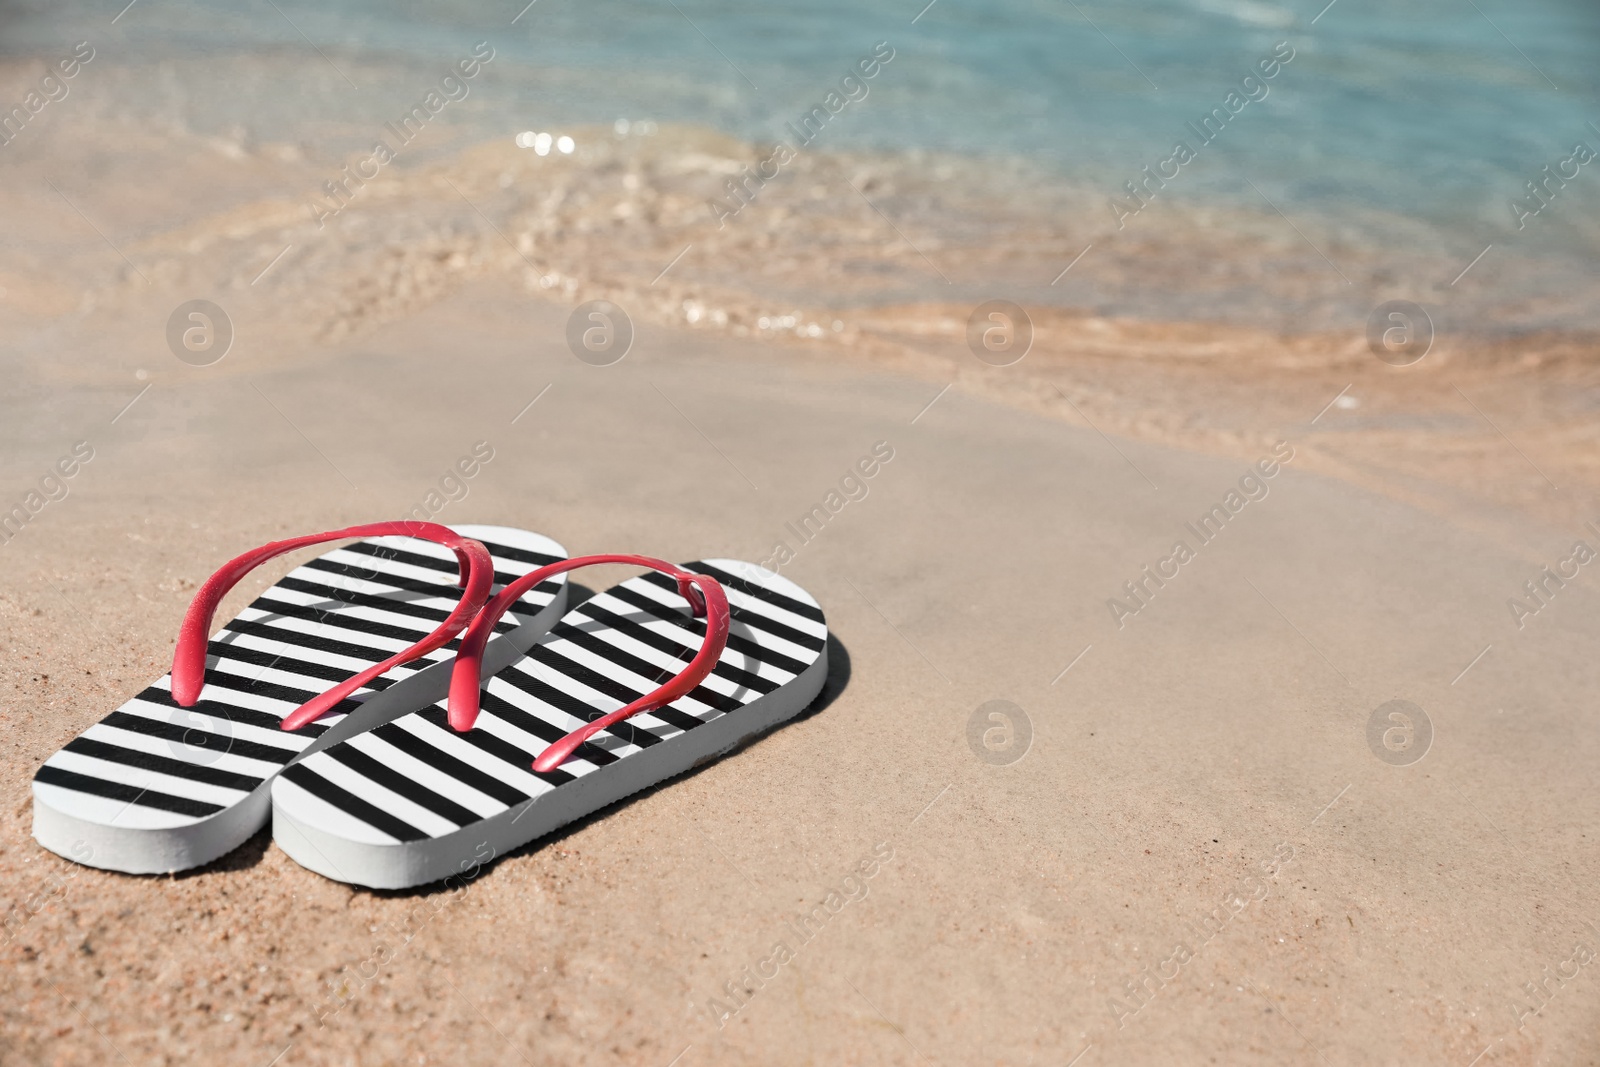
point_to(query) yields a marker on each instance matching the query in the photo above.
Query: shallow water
(1381, 157)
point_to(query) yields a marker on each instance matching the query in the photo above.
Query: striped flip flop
(567, 729)
(181, 773)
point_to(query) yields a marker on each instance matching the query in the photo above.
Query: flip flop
(567, 729)
(181, 773)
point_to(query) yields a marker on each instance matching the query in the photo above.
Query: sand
(1213, 747)
(1205, 755)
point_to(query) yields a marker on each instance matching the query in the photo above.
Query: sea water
(1400, 141)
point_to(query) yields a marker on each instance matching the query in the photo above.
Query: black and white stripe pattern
(413, 801)
(154, 787)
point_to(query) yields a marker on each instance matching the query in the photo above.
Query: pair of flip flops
(390, 752)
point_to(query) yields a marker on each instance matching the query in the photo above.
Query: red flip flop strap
(189, 658)
(705, 596)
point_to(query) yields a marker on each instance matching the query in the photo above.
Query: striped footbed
(154, 765)
(415, 778)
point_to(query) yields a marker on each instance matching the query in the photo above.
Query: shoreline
(843, 257)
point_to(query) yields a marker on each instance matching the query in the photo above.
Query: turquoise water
(1421, 118)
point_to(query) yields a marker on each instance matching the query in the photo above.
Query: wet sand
(876, 258)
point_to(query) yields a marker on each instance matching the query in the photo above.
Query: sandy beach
(1200, 835)
(1223, 727)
